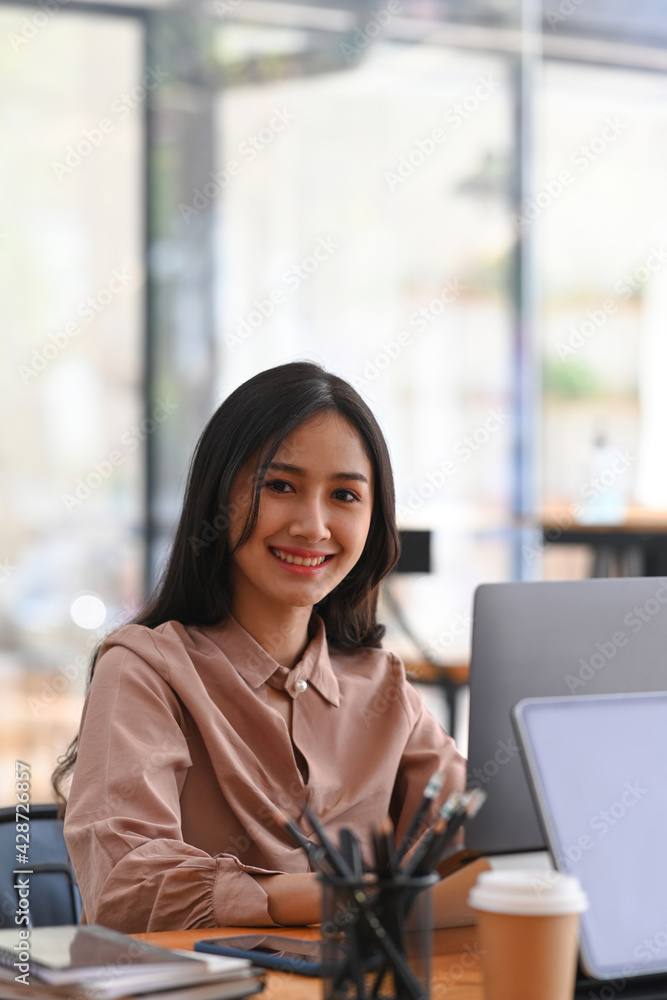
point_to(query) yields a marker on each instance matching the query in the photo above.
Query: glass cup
(377, 936)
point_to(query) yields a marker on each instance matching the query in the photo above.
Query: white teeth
(297, 560)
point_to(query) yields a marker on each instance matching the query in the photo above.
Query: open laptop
(571, 638)
(597, 766)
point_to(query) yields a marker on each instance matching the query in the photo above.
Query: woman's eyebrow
(298, 471)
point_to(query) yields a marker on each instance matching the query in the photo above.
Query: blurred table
(456, 970)
(635, 547)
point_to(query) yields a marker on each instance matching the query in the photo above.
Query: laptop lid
(598, 770)
(577, 637)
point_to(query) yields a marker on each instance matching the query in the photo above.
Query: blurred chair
(54, 895)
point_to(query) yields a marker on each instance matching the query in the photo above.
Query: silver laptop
(571, 638)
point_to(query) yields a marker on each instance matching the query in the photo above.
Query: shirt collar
(255, 665)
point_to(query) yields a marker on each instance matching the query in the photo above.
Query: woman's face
(314, 514)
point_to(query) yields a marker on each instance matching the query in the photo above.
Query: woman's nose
(310, 522)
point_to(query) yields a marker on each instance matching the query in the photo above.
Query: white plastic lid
(528, 892)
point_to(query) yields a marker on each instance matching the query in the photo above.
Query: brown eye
(279, 486)
(347, 496)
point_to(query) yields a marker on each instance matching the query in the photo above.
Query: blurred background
(458, 205)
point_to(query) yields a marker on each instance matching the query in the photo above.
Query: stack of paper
(95, 963)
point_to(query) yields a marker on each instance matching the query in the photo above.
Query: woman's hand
(293, 899)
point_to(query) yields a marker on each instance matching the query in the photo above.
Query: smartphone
(305, 958)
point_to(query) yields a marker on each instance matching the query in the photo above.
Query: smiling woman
(311, 529)
(255, 678)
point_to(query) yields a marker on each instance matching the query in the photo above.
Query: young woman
(254, 679)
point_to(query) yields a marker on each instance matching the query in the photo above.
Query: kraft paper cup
(529, 933)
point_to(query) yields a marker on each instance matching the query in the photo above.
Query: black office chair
(54, 895)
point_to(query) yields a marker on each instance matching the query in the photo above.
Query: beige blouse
(182, 761)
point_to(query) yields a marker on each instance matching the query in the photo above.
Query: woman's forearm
(293, 899)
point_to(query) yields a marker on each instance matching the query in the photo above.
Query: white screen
(600, 767)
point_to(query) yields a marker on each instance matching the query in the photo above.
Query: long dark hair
(195, 588)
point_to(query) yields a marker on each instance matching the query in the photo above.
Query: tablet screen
(598, 767)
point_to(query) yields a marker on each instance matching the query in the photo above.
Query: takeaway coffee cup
(529, 933)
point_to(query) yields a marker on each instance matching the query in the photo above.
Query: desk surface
(456, 972)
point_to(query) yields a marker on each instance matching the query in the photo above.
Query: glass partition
(363, 221)
(603, 220)
(71, 319)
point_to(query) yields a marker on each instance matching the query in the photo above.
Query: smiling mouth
(300, 560)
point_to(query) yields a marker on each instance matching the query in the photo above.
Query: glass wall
(71, 406)
(320, 186)
(602, 214)
(364, 222)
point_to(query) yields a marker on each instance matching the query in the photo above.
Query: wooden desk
(456, 970)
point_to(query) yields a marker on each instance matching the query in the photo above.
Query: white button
(300, 686)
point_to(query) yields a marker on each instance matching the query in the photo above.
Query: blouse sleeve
(428, 749)
(123, 820)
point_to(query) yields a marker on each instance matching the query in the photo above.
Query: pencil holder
(376, 937)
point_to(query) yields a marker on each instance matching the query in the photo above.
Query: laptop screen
(598, 767)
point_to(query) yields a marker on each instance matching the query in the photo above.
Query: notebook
(108, 963)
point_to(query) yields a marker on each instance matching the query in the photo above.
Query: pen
(333, 855)
(351, 851)
(469, 806)
(431, 792)
(316, 855)
(414, 861)
(385, 849)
